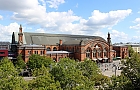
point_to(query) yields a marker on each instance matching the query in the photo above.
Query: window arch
(54, 49)
(48, 49)
(88, 53)
(94, 52)
(99, 52)
(105, 52)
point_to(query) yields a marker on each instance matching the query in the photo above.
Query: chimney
(20, 35)
(60, 42)
(20, 29)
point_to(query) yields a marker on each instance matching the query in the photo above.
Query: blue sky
(86, 17)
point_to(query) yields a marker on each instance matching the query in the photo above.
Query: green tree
(9, 79)
(20, 62)
(40, 71)
(7, 68)
(130, 75)
(130, 50)
(36, 61)
(120, 83)
(89, 68)
(44, 80)
(13, 83)
(91, 71)
(69, 76)
(132, 70)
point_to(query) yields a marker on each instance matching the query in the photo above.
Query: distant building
(135, 46)
(4, 48)
(121, 51)
(59, 46)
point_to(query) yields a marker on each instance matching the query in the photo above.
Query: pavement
(28, 78)
(109, 69)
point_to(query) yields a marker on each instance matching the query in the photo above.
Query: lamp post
(115, 69)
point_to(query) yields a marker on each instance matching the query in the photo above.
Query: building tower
(20, 36)
(108, 38)
(109, 43)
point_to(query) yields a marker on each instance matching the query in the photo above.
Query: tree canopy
(9, 79)
(20, 62)
(36, 61)
(130, 75)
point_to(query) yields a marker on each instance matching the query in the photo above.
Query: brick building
(59, 46)
(121, 51)
(4, 48)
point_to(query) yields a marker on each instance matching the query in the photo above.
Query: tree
(132, 70)
(69, 76)
(36, 61)
(20, 62)
(130, 50)
(91, 71)
(130, 75)
(40, 71)
(119, 83)
(88, 68)
(9, 79)
(44, 80)
(7, 68)
(13, 83)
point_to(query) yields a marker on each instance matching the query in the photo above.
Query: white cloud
(119, 36)
(137, 26)
(34, 12)
(6, 31)
(1, 17)
(40, 30)
(107, 19)
(55, 3)
(135, 39)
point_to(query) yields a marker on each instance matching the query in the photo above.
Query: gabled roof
(53, 39)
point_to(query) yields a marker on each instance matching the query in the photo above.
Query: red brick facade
(121, 51)
(94, 49)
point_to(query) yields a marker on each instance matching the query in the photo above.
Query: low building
(4, 48)
(121, 51)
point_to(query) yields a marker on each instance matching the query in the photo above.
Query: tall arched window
(88, 51)
(54, 49)
(48, 49)
(99, 52)
(105, 52)
(94, 52)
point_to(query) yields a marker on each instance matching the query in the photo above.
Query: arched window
(48, 49)
(105, 52)
(88, 51)
(99, 52)
(54, 49)
(35, 52)
(94, 52)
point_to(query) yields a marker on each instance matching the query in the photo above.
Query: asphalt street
(108, 69)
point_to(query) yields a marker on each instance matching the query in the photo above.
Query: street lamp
(115, 68)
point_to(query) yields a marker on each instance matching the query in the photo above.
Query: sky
(121, 18)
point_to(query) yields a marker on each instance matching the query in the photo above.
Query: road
(108, 69)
